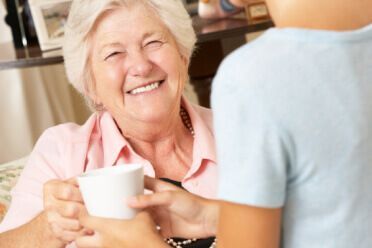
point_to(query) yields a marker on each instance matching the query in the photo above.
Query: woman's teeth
(145, 88)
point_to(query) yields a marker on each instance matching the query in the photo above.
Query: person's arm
(138, 232)
(43, 209)
(181, 213)
(35, 233)
(177, 212)
(245, 226)
(57, 225)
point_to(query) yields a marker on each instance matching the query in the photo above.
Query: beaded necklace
(186, 120)
(179, 244)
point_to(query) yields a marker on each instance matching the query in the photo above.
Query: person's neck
(160, 143)
(337, 15)
(152, 145)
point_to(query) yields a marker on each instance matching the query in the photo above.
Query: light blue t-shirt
(293, 120)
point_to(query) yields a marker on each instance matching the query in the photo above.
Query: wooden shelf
(207, 30)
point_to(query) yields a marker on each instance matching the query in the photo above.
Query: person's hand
(177, 212)
(139, 232)
(62, 206)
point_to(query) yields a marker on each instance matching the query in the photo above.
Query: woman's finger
(68, 209)
(72, 181)
(150, 200)
(66, 191)
(64, 234)
(157, 185)
(91, 241)
(62, 190)
(67, 224)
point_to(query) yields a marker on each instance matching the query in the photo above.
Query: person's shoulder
(259, 64)
(250, 59)
(247, 52)
(70, 132)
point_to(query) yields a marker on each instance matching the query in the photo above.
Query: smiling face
(138, 71)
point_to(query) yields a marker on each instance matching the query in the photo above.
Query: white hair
(84, 15)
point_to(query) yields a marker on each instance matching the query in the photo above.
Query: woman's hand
(138, 232)
(177, 212)
(62, 206)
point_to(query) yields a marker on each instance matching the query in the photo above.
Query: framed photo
(49, 18)
(257, 11)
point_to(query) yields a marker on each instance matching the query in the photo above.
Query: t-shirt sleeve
(27, 195)
(250, 144)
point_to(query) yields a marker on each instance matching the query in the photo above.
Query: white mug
(106, 190)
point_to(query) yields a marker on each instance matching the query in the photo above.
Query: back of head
(83, 16)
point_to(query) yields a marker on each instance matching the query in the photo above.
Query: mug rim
(112, 170)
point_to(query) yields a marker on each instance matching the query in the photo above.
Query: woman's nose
(139, 64)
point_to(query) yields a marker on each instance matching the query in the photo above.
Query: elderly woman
(129, 59)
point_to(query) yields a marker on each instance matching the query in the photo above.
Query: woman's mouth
(146, 88)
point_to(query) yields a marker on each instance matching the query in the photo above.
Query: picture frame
(49, 17)
(257, 11)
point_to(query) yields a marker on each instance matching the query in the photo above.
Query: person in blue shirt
(293, 123)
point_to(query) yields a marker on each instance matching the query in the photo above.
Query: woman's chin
(153, 115)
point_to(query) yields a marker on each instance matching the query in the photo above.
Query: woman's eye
(154, 43)
(111, 55)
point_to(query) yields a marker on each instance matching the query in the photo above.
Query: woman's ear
(91, 93)
(185, 60)
(95, 100)
(90, 90)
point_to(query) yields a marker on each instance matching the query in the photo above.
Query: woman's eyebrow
(113, 44)
(152, 33)
(118, 44)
